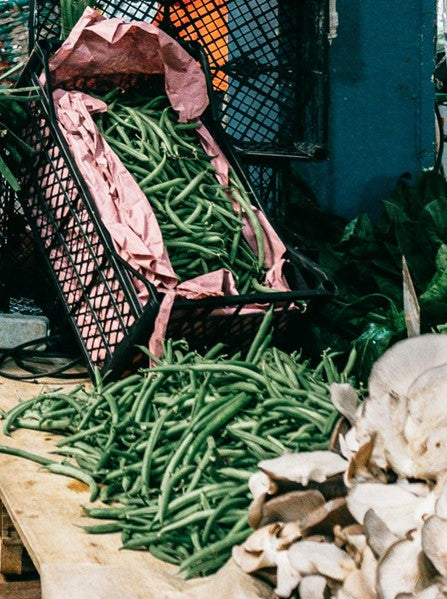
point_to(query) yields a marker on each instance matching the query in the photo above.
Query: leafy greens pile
(365, 260)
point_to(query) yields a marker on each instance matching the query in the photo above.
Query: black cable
(21, 356)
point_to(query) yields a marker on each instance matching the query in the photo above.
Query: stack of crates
(268, 64)
(252, 73)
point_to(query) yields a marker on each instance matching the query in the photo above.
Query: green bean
(227, 503)
(164, 485)
(103, 528)
(73, 472)
(214, 549)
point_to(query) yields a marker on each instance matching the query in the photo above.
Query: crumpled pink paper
(100, 46)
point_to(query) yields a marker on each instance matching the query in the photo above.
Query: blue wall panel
(381, 103)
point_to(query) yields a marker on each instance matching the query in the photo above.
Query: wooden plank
(45, 510)
(19, 589)
(12, 550)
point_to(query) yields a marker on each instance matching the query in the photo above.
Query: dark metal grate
(267, 60)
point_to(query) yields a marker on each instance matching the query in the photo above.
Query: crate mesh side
(268, 63)
(203, 330)
(86, 276)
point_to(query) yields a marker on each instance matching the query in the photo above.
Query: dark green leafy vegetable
(365, 261)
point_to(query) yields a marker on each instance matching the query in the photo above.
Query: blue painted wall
(381, 103)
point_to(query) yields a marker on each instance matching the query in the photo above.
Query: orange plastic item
(204, 21)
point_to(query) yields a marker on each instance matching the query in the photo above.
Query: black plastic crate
(268, 62)
(96, 285)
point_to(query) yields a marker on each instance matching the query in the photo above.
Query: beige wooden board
(45, 510)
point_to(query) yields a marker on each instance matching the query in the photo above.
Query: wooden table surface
(45, 510)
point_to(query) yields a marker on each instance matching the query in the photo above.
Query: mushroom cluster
(369, 520)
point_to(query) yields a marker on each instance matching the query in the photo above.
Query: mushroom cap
(434, 591)
(399, 367)
(429, 450)
(348, 443)
(260, 486)
(258, 550)
(345, 399)
(323, 519)
(400, 510)
(434, 542)
(312, 587)
(441, 502)
(404, 568)
(403, 370)
(304, 467)
(308, 557)
(428, 392)
(378, 535)
(352, 539)
(291, 507)
(361, 583)
(287, 578)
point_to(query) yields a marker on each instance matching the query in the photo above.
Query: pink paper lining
(98, 46)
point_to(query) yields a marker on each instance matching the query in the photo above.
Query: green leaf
(370, 345)
(436, 218)
(4, 170)
(434, 299)
(360, 228)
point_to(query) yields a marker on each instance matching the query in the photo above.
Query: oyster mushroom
(345, 399)
(401, 365)
(260, 486)
(287, 578)
(258, 551)
(362, 467)
(308, 557)
(304, 467)
(400, 510)
(441, 502)
(434, 542)
(434, 591)
(378, 535)
(387, 410)
(313, 587)
(361, 583)
(352, 539)
(323, 519)
(348, 443)
(291, 507)
(404, 568)
(260, 548)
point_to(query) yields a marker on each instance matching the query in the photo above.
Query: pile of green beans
(170, 449)
(200, 228)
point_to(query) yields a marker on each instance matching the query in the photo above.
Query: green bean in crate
(200, 229)
(171, 448)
